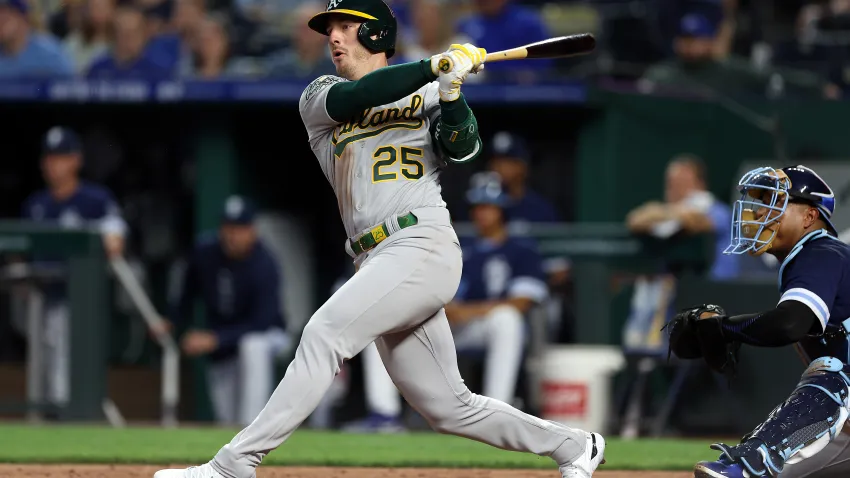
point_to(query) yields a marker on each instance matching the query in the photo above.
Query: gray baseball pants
(396, 299)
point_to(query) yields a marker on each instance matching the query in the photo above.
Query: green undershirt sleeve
(458, 131)
(386, 85)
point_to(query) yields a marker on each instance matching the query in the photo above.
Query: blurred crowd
(728, 45)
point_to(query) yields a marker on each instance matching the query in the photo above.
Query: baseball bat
(558, 47)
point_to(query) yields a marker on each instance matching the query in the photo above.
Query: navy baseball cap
(238, 210)
(60, 140)
(509, 145)
(20, 5)
(699, 25)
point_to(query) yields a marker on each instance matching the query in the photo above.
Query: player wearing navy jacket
(502, 281)
(786, 213)
(238, 280)
(74, 204)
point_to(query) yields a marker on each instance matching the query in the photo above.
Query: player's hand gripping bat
(558, 47)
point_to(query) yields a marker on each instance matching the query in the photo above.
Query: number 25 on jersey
(386, 158)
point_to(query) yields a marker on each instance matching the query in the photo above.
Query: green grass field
(75, 444)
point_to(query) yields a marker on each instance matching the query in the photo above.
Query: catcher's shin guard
(801, 426)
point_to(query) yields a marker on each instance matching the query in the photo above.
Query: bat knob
(445, 65)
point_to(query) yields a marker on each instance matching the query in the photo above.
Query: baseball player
(381, 134)
(785, 212)
(72, 203)
(238, 280)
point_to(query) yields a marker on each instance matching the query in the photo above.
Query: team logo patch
(319, 83)
(333, 4)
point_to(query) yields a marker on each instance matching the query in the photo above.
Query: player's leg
(57, 336)
(223, 385)
(382, 398)
(796, 430)
(257, 352)
(423, 364)
(832, 462)
(385, 295)
(505, 339)
(501, 334)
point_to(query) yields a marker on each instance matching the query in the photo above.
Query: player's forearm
(459, 130)
(787, 324)
(382, 86)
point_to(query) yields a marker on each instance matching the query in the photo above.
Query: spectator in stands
(238, 280)
(307, 58)
(94, 35)
(690, 208)
(697, 69)
(71, 203)
(128, 58)
(429, 31)
(24, 52)
(210, 57)
(501, 25)
(165, 45)
(509, 158)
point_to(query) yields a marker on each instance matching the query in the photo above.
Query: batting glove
(453, 66)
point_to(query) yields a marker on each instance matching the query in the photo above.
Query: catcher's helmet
(380, 22)
(773, 189)
(486, 188)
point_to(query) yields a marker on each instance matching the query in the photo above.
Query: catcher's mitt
(696, 332)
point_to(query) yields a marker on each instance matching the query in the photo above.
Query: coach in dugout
(238, 280)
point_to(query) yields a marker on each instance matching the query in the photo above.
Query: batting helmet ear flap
(378, 36)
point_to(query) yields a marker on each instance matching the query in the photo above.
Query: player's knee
(254, 343)
(506, 318)
(448, 418)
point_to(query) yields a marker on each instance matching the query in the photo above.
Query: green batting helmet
(379, 21)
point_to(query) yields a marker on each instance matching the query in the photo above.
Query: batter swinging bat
(558, 47)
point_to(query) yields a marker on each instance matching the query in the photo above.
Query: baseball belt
(371, 239)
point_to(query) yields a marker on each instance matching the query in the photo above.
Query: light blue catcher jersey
(501, 271)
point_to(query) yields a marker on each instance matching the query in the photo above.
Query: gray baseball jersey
(380, 163)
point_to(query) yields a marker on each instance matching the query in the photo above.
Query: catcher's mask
(765, 195)
(757, 215)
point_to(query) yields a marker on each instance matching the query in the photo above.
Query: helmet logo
(333, 4)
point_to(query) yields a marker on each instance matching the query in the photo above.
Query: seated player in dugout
(785, 212)
(690, 208)
(238, 280)
(502, 281)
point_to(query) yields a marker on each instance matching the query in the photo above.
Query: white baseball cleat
(203, 471)
(585, 465)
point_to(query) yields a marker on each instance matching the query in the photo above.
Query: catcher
(785, 212)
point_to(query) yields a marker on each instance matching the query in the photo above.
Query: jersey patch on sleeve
(319, 83)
